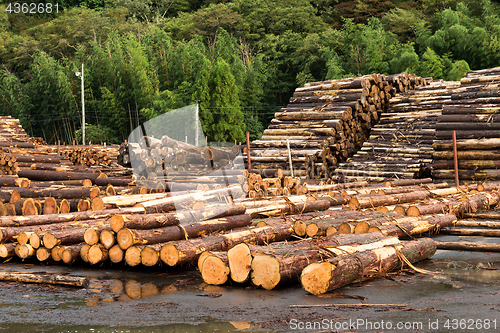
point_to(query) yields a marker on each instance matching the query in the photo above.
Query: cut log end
(361, 227)
(215, 270)
(107, 238)
(300, 228)
(91, 236)
(54, 253)
(169, 255)
(117, 222)
(97, 254)
(149, 256)
(315, 278)
(115, 254)
(133, 256)
(240, 262)
(265, 271)
(42, 254)
(97, 204)
(50, 241)
(84, 252)
(25, 251)
(312, 229)
(125, 238)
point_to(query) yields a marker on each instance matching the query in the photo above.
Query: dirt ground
(463, 295)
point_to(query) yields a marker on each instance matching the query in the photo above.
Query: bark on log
(66, 280)
(130, 237)
(468, 246)
(188, 251)
(151, 221)
(319, 278)
(470, 232)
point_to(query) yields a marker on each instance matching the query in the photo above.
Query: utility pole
(80, 75)
(83, 109)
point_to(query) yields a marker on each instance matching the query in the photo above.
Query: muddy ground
(465, 287)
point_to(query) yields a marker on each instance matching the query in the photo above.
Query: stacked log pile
(325, 123)
(473, 114)
(11, 130)
(400, 146)
(91, 156)
(154, 158)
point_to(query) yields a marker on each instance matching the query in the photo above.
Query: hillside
(240, 59)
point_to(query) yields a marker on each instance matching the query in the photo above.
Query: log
(215, 268)
(151, 221)
(470, 232)
(44, 175)
(468, 246)
(130, 237)
(188, 251)
(73, 281)
(282, 263)
(319, 278)
(495, 224)
(361, 202)
(427, 224)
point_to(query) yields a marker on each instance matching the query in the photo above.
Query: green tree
(228, 120)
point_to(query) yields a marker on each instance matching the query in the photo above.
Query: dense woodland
(240, 59)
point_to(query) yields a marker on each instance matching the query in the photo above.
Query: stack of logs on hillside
(400, 146)
(474, 114)
(238, 242)
(325, 123)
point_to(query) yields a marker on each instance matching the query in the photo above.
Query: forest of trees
(240, 59)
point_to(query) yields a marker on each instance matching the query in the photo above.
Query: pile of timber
(475, 226)
(400, 145)
(259, 186)
(123, 157)
(325, 123)
(160, 158)
(473, 114)
(11, 130)
(229, 235)
(91, 156)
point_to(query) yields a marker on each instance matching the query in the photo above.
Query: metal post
(455, 157)
(196, 126)
(83, 109)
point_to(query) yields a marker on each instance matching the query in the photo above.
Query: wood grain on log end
(64, 206)
(315, 278)
(25, 251)
(49, 240)
(107, 238)
(133, 256)
(42, 254)
(50, 206)
(125, 238)
(97, 254)
(149, 256)
(29, 207)
(35, 241)
(169, 254)
(54, 253)
(265, 271)
(84, 252)
(240, 262)
(97, 204)
(115, 254)
(300, 228)
(91, 236)
(215, 269)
